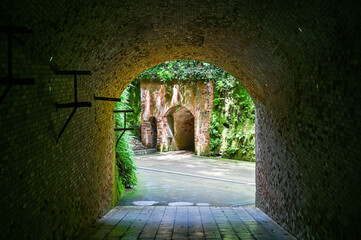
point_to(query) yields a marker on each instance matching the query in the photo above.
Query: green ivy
(184, 71)
(232, 121)
(132, 98)
(232, 105)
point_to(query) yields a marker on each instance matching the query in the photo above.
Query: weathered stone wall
(162, 100)
(299, 60)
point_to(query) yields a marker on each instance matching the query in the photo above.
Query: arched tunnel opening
(191, 106)
(298, 60)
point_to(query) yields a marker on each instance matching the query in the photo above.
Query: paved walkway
(179, 178)
(186, 162)
(220, 195)
(161, 222)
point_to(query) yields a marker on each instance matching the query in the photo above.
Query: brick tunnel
(297, 59)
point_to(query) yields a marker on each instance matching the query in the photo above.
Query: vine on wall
(233, 117)
(232, 121)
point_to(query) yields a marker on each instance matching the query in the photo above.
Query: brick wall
(298, 60)
(161, 100)
(51, 188)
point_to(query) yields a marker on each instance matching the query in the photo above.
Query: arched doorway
(153, 130)
(180, 129)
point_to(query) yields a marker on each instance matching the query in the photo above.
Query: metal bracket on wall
(125, 124)
(10, 81)
(107, 99)
(75, 105)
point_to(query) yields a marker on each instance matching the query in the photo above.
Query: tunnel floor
(221, 193)
(186, 222)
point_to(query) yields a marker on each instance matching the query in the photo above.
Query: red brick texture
(161, 100)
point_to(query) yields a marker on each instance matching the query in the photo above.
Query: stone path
(192, 222)
(179, 176)
(221, 193)
(186, 162)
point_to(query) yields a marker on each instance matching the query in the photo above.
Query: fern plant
(125, 169)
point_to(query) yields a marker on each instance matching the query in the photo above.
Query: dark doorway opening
(153, 127)
(181, 129)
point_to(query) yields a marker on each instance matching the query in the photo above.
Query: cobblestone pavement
(192, 222)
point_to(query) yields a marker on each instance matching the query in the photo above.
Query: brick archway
(163, 100)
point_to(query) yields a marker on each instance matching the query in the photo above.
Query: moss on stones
(232, 121)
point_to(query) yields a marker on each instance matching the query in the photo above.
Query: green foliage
(125, 169)
(232, 105)
(132, 96)
(234, 108)
(232, 150)
(185, 71)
